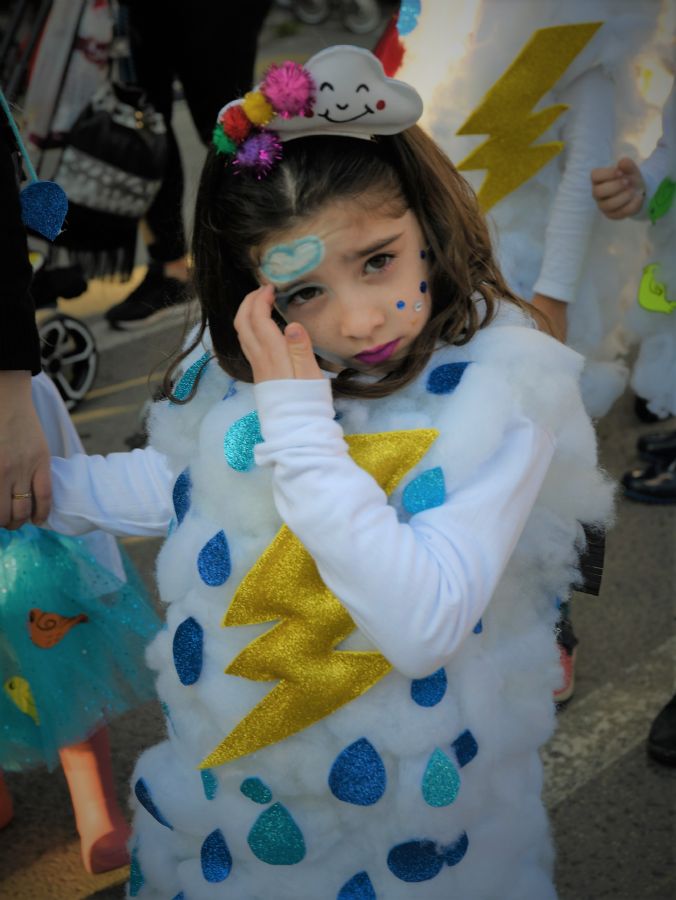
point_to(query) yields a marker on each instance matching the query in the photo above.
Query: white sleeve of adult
(122, 493)
(415, 589)
(588, 135)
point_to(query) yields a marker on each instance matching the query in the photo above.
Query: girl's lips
(378, 354)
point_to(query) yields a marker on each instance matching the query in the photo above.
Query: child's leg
(102, 828)
(6, 806)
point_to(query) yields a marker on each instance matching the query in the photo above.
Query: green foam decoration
(662, 199)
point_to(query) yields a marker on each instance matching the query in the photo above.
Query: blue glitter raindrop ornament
(181, 495)
(190, 376)
(357, 888)
(445, 379)
(430, 690)
(426, 491)
(215, 857)
(188, 647)
(465, 748)
(209, 783)
(415, 861)
(143, 796)
(358, 774)
(136, 879)
(479, 627)
(441, 782)
(240, 440)
(256, 790)
(275, 838)
(455, 852)
(213, 561)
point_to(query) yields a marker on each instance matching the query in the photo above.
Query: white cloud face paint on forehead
(287, 262)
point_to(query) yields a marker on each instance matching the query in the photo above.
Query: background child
(74, 621)
(386, 535)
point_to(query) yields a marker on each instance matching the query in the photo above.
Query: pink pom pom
(289, 89)
(259, 153)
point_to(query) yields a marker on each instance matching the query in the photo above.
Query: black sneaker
(654, 484)
(659, 447)
(155, 297)
(662, 736)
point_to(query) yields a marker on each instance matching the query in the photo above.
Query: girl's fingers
(606, 189)
(618, 201)
(604, 174)
(301, 353)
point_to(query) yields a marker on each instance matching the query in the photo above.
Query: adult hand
(619, 190)
(273, 355)
(24, 455)
(556, 315)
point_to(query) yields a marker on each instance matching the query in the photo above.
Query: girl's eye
(379, 263)
(301, 295)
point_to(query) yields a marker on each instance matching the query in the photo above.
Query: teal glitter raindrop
(136, 879)
(430, 690)
(425, 492)
(213, 561)
(358, 775)
(215, 857)
(441, 781)
(256, 790)
(276, 839)
(240, 440)
(358, 887)
(445, 379)
(209, 783)
(190, 376)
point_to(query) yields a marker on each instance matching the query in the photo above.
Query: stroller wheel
(362, 16)
(312, 12)
(69, 356)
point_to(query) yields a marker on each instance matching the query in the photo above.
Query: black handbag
(111, 169)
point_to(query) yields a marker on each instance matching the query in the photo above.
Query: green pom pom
(222, 142)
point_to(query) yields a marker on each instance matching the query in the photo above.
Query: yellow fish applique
(19, 692)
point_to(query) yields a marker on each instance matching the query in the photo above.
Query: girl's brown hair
(235, 214)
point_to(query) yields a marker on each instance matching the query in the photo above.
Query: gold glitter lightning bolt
(506, 112)
(299, 652)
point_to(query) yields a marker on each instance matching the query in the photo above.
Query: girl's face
(356, 280)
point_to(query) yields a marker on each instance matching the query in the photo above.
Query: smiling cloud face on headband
(354, 98)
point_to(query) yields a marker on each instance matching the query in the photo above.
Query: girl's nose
(360, 321)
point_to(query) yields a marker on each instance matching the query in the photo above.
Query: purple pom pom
(259, 153)
(289, 88)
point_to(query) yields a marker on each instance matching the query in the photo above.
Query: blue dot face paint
(401, 304)
(418, 306)
(423, 254)
(423, 287)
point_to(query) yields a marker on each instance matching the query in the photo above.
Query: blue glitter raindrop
(455, 852)
(232, 390)
(213, 561)
(142, 792)
(429, 691)
(445, 379)
(358, 887)
(275, 838)
(190, 376)
(358, 774)
(415, 861)
(215, 857)
(240, 440)
(465, 748)
(181, 495)
(209, 783)
(441, 781)
(44, 206)
(187, 647)
(180, 896)
(256, 790)
(425, 492)
(401, 304)
(479, 627)
(136, 879)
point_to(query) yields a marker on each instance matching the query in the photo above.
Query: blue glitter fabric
(426, 491)
(276, 839)
(213, 561)
(358, 774)
(430, 690)
(188, 648)
(415, 861)
(445, 379)
(441, 782)
(465, 748)
(92, 669)
(406, 23)
(240, 440)
(187, 382)
(136, 880)
(142, 792)
(256, 790)
(455, 852)
(181, 495)
(479, 627)
(357, 888)
(209, 783)
(43, 208)
(215, 858)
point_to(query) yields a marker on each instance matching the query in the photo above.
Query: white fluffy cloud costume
(550, 238)
(422, 788)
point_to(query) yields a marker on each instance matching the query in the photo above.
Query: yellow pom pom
(258, 110)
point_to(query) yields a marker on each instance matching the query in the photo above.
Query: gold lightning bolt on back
(506, 114)
(299, 652)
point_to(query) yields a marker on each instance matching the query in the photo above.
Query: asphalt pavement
(612, 810)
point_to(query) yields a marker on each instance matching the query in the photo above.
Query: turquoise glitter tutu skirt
(72, 641)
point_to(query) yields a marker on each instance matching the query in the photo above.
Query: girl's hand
(273, 355)
(619, 190)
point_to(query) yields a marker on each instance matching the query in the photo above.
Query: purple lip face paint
(401, 304)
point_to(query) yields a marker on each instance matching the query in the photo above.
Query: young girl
(374, 511)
